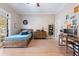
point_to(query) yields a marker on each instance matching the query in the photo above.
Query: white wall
(37, 21)
(15, 18)
(61, 17)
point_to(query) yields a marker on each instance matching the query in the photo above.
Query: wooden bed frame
(16, 44)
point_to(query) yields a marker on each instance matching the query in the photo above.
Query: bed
(18, 40)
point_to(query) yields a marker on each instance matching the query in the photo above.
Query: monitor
(69, 31)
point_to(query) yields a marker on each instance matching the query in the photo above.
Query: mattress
(18, 37)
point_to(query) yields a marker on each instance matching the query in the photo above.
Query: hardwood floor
(41, 47)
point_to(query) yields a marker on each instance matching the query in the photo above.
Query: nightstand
(2, 37)
(1, 44)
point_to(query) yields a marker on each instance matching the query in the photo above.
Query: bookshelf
(50, 30)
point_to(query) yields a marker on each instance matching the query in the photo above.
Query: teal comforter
(18, 37)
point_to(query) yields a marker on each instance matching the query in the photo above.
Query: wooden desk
(73, 40)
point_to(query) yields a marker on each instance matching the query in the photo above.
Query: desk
(73, 40)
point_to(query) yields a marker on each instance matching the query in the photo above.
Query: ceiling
(31, 8)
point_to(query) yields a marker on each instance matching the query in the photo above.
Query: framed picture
(25, 22)
(74, 22)
(67, 17)
(76, 9)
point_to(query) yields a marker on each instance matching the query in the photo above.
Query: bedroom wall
(37, 21)
(15, 18)
(61, 17)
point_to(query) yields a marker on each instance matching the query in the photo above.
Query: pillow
(29, 31)
(24, 33)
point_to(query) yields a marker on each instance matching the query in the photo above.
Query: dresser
(40, 35)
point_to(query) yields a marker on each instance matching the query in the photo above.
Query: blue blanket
(18, 37)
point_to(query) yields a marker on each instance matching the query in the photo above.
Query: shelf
(75, 46)
(50, 30)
